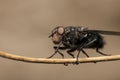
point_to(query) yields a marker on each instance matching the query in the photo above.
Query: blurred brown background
(26, 24)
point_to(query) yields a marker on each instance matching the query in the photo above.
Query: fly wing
(106, 32)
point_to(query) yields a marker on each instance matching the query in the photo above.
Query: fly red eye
(60, 30)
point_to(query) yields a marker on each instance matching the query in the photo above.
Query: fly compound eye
(60, 30)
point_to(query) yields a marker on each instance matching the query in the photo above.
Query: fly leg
(81, 49)
(57, 50)
(77, 57)
(71, 50)
(97, 50)
(85, 53)
(61, 48)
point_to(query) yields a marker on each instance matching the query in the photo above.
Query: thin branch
(58, 61)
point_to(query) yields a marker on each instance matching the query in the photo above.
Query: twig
(58, 61)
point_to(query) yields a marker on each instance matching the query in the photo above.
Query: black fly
(78, 38)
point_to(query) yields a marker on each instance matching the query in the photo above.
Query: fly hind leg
(97, 50)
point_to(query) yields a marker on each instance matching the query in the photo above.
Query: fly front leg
(61, 48)
(57, 50)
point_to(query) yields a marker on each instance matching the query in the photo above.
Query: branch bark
(58, 61)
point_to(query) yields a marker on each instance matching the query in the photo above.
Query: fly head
(56, 34)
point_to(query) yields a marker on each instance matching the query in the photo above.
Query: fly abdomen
(94, 40)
